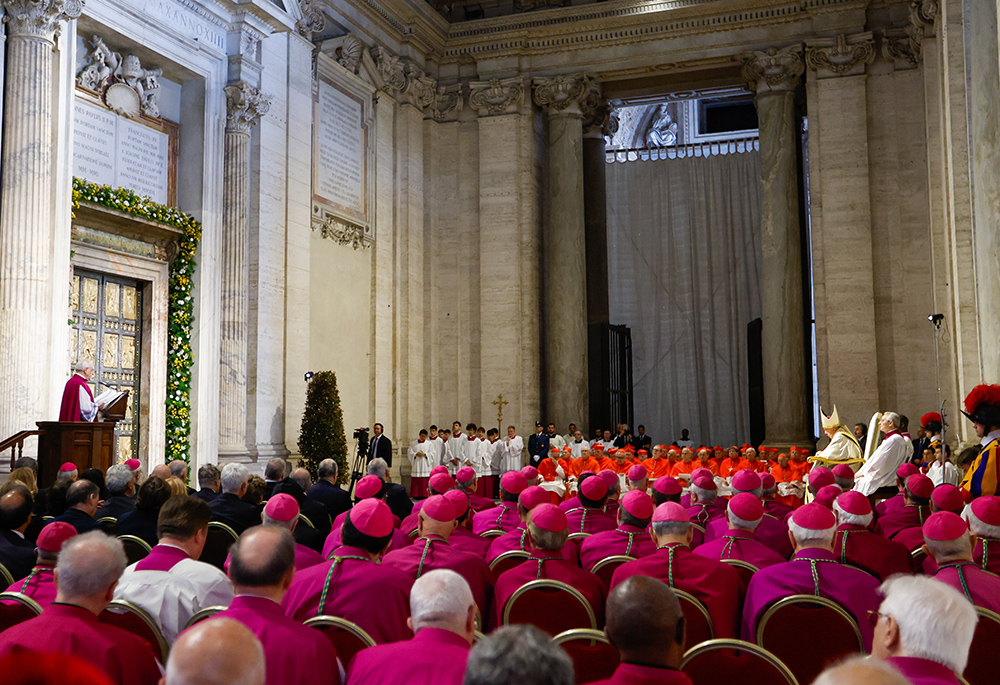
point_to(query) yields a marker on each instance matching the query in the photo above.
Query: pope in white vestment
(843, 445)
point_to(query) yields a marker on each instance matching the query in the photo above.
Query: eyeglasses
(874, 616)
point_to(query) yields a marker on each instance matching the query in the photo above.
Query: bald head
(179, 469)
(160, 471)
(262, 559)
(861, 670)
(219, 651)
(302, 478)
(645, 622)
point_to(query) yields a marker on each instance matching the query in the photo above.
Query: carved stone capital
(39, 18)
(448, 102)
(420, 89)
(924, 12)
(349, 54)
(561, 94)
(841, 56)
(391, 69)
(245, 105)
(596, 113)
(773, 69)
(496, 96)
(901, 47)
(313, 19)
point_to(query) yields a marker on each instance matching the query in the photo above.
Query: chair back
(16, 608)
(134, 619)
(594, 658)
(507, 561)
(984, 659)
(136, 548)
(346, 637)
(6, 577)
(491, 533)
(549, 605)
(744, 569)
(833, 632)
(305, 519)
(724, 662)
(605, 568)
(698, 527)
(109, 524)
(220, 538)
(699, 623)
(579, 536)
(199, 616)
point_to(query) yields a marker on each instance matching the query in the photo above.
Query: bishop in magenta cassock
(984, 521)
(895, 502)
(947, 539)
(439, 483)
(463, 538)
(517, 539)
(503, 517)
(705, 505)
(367, 488)
(548, 531)
(589, 517)
(745, 515)
(283, 510)
(813, 570)
(854, 544)
(262, 564)
(40, 585)
(467, 481)
(713, 583)
(630, 538)
(916, 500)
(345, 585)
(431, 551)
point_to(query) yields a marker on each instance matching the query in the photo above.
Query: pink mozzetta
(282, 507)
(944, 525)
(638, 504)
(814, 516)
(439, 508)
(671, 511)
(746, 507)
(372, 518)
(549, 517)
(513, 482)
(853, 502)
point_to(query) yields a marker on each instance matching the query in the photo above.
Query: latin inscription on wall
(339, 173)
(112, 150)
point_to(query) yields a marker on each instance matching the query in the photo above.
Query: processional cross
(500, 403)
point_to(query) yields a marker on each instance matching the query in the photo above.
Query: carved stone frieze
(39, 18)
(901, 47)
(496, 96)
(561, 94)
(841, 55)
(924, 12)
(596, 113)
(420, 89)
(448, 102)
(343, 233)
(350, 52)
(313, 18)
(773, 69)
(122, 83)
(245, 105)
(391, 68)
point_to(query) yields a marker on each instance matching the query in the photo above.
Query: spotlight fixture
(309, 374)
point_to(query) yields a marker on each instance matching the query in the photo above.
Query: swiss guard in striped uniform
(982, 407)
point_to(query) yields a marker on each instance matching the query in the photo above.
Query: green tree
(322, 434)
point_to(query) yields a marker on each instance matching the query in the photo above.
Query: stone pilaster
(564, 252)
(245, 105)
(26, 210)
(844, 264)
(774, 74)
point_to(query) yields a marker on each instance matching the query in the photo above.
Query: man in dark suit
(381, 445)
(297, 485)
(17, 553)
(274, 473)
(179, 469)
(83, 499)
(327, 492)
(210, 482)
(396, 496)
(228, 508)
(121, 487)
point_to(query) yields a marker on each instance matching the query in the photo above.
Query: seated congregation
(629, 576)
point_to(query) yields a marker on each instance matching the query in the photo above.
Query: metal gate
(610, 360)
(107, 328)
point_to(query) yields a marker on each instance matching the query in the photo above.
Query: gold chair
(699, 622)
(723, 662)
(549, 605)
(16, 608)
(6, 577)
(507, 561)
(136, 548)
(136, 620)
(605, 568)
(594, 657)
(199, 616)
(348, 638)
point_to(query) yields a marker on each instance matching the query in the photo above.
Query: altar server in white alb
(420, 456)
(843, 444)
(471, 447)
(434, 448)
(880, 469)
(455, 448)
(513, 449)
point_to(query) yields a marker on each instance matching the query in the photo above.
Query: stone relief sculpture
(122, 83)
(662, 131)
(350, 53)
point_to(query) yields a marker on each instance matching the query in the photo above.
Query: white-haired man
(121, 490)
(228, 508)
(77, 400)
(179, 469)
(813, 570)
(947, 539)
(744, 515)
(856, 545)
(86, 574)
(442, 617)
(880, 469)
(924, 629)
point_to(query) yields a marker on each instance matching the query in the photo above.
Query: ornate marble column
(26, 211)
(244, 105)
(564, 253)
(774, 74)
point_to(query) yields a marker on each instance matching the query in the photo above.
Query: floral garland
(180, 314)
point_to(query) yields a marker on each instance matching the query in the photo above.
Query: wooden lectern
(88, 445)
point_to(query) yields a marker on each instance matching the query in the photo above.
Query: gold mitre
(831, 421)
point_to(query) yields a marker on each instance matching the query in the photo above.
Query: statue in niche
(124, 85)
(662, 131)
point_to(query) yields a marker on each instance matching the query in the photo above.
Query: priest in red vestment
(442, 616)
(89, 567)
(77, 400)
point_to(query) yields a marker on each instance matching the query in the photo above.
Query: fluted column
(26, 218)
(564, 253)
(775, 76)
(245, 105)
